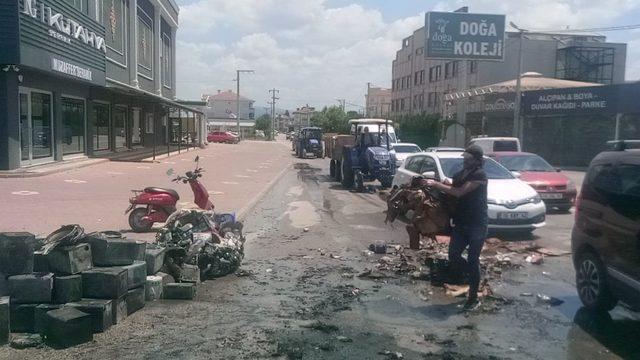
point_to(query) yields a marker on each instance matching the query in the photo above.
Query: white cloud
(315, 54)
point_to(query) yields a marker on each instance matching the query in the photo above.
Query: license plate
(551, 195)
(512, 215)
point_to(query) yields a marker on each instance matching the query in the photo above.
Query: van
(493, 144)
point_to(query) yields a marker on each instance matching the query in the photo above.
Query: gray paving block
(5, 316)
(136, 274)
(179, 291)
(154, 257)
(39, 314)
(119, 310)
(67, 327)
(67, 288)
(105, 283)
(31, 288)
(16, 252)
(101, 312)
(190, 273)
(153, 288)
(4, 285)
(40, 262)
(135, 300)
(70, 260)
(109, 251)
(22, 318)
(141, 250)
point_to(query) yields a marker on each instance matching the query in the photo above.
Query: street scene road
(299, 295)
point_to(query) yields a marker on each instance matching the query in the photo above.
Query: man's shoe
(471, 304)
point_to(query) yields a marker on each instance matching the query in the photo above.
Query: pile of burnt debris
(431, 263)
(63, 289)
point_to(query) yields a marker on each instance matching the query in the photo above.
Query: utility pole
(273, 110)
(342, 103)
(518, 128)
(366, 103)
(238, 98)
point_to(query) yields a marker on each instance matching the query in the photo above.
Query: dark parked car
(606, 236)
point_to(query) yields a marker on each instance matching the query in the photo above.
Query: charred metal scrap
(214, 243)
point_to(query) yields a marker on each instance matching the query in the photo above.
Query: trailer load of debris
(195, 237)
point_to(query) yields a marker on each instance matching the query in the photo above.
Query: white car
(402, 150)
(512, 204)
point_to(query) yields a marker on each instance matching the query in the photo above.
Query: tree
(331, 120)
(421, 129)
(263, 123)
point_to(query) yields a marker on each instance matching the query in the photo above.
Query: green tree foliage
(421, 129)
(263, 123)
(331, 120)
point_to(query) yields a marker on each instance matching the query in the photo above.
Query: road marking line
(243, 176)
(229, 182)
(216, 193)
(168, 162)
(115, 173)
(143, 167)
(25, 193)
(74, 181)
(251, 170)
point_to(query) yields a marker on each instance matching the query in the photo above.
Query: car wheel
(564, 209)
(591, 283)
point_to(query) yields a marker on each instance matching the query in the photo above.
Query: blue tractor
(309, 141)
(370, 158)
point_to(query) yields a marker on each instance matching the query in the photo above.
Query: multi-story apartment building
(221, 112)
(88, 77)
(420, 84)
(302, 116)
(378, 102)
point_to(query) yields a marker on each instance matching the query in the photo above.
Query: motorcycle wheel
(137, 223)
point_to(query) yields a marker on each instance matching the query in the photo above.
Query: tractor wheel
(359, 181)
(332, 168)
(347, 173)
(338, 171)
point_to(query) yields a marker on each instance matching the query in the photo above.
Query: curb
(61, 168)
(173, 153)
(242, 213)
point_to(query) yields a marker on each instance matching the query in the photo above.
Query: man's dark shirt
(471, 208)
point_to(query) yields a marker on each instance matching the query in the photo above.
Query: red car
(222, 137)
(555, 189)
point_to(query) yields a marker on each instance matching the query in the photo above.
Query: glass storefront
(119, 127)
(36, 127)
(73, 120)
(101, 127)
(135, 128)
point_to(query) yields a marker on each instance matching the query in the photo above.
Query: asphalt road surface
(300, 299)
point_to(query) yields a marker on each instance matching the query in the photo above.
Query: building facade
(378, 102)
(221, 110)
(302, 117)
(419, 85)
(88, 78)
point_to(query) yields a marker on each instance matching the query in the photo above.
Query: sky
(317, 51)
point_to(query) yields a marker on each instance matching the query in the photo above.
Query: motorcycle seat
(157, 190)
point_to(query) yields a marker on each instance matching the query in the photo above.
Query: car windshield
(406, 148)
(525, 163)
(450, 166)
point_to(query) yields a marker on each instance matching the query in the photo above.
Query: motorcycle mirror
(170, 172)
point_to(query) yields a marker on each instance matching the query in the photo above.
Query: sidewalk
(96, 196)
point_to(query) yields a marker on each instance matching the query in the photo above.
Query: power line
(273, 110)
(600, 29)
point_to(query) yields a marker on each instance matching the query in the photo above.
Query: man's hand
(429, 182)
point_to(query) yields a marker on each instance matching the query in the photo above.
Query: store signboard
(56, 37)
(580, 100)
(464, 36)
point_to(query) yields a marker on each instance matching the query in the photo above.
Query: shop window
(135, 128)
(101, 133)
(73, 122)
(119, 127)
(112, 16)
(473, 67)
(81, 5)
(149, 124)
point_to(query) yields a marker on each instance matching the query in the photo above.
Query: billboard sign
(464, 36)
(580, 100)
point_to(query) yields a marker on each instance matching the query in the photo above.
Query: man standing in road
(469, 219)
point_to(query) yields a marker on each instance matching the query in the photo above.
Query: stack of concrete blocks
(160, 285)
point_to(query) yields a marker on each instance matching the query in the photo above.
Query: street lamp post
(238, 98)
(518, 127)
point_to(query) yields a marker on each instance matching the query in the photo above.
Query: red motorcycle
(154, 205)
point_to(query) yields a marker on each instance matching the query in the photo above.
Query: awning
(130, 90)
(529, 81)
(245, 124)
